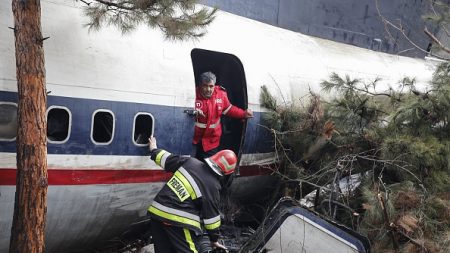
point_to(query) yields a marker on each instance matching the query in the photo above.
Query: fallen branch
(387, 223)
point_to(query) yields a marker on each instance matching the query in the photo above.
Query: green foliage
(272, 117)
(357, 107)
(439, 181)
(438, 17)
(373, 212)
(267, 100)
(400, 137)
(436, 216)
(296, 128)
(423, 154)
(411, 130)
(178, 19)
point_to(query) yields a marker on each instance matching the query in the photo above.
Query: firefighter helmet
(223, 162)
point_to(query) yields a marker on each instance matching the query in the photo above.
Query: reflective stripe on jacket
(208, 129)
(191, 197)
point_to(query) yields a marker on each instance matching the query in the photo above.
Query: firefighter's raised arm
(163, 158)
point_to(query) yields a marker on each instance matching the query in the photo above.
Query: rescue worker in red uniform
(189, 201)
(210, 104)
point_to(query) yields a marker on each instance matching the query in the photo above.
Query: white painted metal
(88, 162)
(117, 162)
(300, 234)
(143, 67)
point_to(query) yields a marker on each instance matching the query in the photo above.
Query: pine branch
(178, 19)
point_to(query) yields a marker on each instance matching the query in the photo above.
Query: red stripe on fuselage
(85, 177)
(92, 176)
(254, 170)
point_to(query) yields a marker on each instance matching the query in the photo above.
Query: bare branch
(399, 28)
(387, 222)
(435, 40)
(85, 2)
(120, 6)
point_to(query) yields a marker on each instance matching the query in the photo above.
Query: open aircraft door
(230, 75)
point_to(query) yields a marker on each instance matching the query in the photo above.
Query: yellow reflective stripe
(177, 186)
(174, 217)
(186, 184)
(188, 237)
(176, 212)
(213, 225)
(158, 157)
(191, 180)
(164, 158)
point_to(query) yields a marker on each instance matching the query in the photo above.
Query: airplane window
(8, 121)
(102, 127)
(143, 128)
(58, 124)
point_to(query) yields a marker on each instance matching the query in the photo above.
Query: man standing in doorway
(210, 104)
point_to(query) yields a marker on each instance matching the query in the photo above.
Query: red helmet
(223, 162)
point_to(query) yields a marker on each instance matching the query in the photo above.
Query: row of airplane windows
(59, 124)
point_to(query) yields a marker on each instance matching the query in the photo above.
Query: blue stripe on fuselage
(173, 128)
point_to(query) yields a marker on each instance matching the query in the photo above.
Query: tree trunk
(30, 208)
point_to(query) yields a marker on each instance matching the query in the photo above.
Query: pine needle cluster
(178, 19)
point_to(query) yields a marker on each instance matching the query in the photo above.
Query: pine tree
(30, 206)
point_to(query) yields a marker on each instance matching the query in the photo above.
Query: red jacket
(209, 129)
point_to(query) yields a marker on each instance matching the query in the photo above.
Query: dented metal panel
(290, 228)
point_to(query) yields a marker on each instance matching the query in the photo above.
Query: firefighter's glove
(219, 247)
(152, 143)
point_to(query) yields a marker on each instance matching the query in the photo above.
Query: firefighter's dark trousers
(172, 239)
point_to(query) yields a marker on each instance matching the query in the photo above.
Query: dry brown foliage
(427, 246)
(407, 200)
(315, 111)
(407, 223)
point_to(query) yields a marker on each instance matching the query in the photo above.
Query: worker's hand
(200, 112)
(152, 143)
(219, 246)
(248, 113)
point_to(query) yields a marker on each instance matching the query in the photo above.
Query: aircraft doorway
(230, 74)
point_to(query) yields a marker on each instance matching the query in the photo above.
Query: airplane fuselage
(108, 91)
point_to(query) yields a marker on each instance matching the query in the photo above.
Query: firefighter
(211, 103)
(189, 201)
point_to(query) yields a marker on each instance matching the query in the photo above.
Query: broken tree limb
(387, 223)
